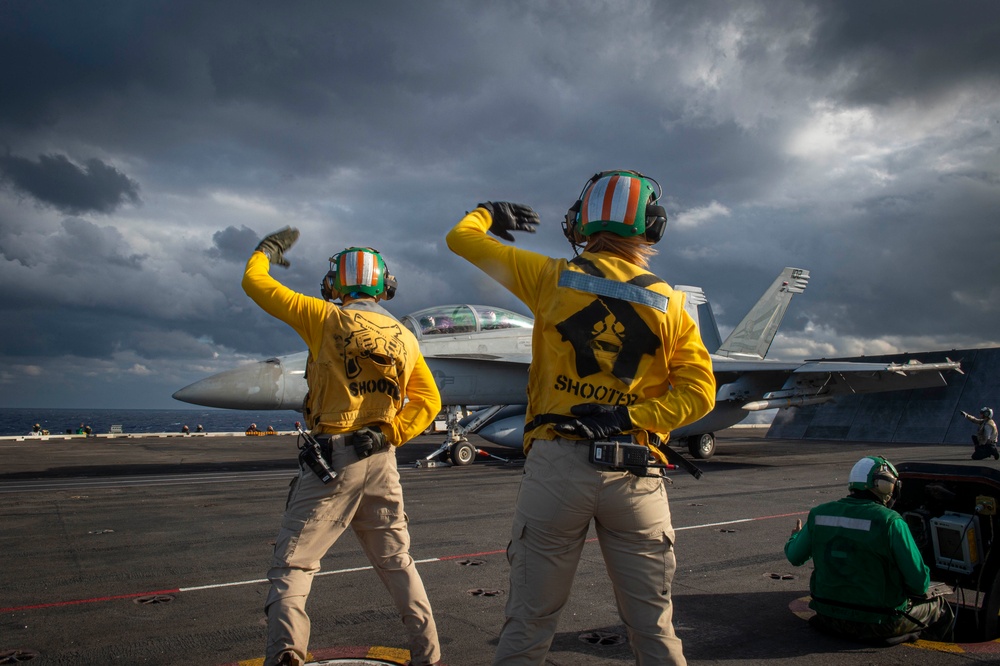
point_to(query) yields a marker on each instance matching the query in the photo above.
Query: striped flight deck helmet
(621, 202)
(357, 271)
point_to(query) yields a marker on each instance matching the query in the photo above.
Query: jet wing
(813, 382)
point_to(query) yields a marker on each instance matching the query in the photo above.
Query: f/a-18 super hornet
(479, 356)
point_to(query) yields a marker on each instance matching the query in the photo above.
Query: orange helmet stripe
(609, 197)
(633, 201)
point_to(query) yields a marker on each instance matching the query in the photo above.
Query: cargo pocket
(669, 565)
(287, 542)
(516, 552)
(291, 491)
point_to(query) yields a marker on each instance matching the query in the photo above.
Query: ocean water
(58, 421)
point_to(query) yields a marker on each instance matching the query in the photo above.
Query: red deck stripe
(74, 602)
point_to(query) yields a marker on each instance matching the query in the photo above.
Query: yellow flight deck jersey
(362, 361)
(589, 348)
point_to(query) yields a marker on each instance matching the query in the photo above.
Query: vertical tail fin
(752, 337)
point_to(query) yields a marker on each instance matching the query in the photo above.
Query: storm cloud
(74, 189)
(147, 147)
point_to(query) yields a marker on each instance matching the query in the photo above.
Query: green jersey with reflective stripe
(863, 555)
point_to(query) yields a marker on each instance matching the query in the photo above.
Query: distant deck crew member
(370, 390)
(869, 581)
(984, 442)
(614, 355)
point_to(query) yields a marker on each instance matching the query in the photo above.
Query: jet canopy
(456, 319)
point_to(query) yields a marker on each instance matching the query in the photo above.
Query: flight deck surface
(154, 551)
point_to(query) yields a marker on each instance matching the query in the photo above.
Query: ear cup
(656, 223)
(885, 483)
(390, 286)
(326, 286)
(569, 222)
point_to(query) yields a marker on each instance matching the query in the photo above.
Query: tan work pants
(367, 496)
(560, 493)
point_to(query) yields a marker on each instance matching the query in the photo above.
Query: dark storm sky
(145, 147)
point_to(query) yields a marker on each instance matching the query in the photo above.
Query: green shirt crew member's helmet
(356, 271)
(876, 475)
(620, 202)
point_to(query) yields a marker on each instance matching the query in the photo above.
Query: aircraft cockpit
(458, 319)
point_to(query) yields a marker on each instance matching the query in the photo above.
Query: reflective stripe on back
(860, 524)
(613, 289)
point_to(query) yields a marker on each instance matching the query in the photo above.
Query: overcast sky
(146, 147)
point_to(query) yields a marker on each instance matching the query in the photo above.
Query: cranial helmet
(986, 412)
(877, 475)
(358, 270)
(622, 202)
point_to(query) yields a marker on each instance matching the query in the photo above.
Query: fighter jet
(479, 355)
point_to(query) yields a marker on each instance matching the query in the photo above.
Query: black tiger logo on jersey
(378, 347)
(609, 335)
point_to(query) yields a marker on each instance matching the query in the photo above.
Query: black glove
(368, 441)
(596, 421)
(275, 245)
(508, 217)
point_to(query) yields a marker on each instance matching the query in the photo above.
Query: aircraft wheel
(463, 453)
(702, 447)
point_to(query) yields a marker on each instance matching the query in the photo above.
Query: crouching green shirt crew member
(362, 365)
(613, 353)
(869, 581)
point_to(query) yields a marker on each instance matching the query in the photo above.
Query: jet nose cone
(203, 392)
(253, 386)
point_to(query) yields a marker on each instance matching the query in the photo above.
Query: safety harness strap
(674, 457)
